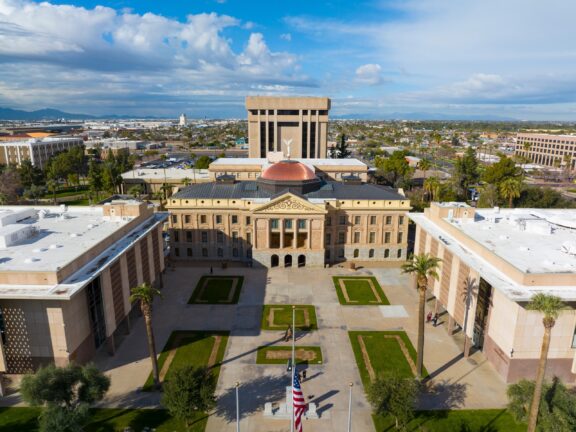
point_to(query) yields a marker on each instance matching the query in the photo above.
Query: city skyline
(373, 58)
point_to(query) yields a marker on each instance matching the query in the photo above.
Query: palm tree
(186, 181)
(145, 295)
(422, 266)
(424, 165)
(432, 187)
(510, 189)
(550, 306)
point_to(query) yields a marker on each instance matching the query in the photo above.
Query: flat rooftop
(537, 241)
(532, 240)
(59, 237)
(265, 162)
(168, 173)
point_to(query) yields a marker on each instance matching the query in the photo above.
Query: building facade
(273, 122)
(65, 279)
(288, 217)
(493, 262)
(252, 168)
(558, 151)
(38, 151)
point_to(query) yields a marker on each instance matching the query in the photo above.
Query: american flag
(298, 402)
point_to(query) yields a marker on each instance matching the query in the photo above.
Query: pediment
(289, 203)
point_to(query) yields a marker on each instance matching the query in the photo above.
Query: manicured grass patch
(217, 290)
(280, 355)
(195, 348)
(359, 290)
(104, 420)
(384, 352)
(489, 420)
(279, 317)
(78, 202)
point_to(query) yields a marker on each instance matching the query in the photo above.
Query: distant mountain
(54, 114)
(423, 116)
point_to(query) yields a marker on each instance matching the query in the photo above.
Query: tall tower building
(183, 120)
(295, 126)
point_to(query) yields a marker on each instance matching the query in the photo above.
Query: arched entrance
(288, 261)
(301, 260)
(274, 261)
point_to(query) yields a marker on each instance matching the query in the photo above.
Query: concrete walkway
(457, 382)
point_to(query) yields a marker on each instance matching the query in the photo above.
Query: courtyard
(337, 344)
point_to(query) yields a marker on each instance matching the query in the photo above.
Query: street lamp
(350, 407)
(237, 408)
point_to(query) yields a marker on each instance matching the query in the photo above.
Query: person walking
(435, 320)
(211, 270)
(429, 317)
(304, 375)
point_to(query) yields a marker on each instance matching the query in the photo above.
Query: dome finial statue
(288, 143)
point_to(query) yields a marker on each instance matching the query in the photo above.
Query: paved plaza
(457, 382)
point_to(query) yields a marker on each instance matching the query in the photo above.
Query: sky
(484, 58)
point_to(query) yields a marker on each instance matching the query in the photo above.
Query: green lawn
(283, 317)
(193, 348)
(217, 290)
(384, 353)
(359, 291)
(489, 420)
(78, 202)
(261, 357)
(103, 420)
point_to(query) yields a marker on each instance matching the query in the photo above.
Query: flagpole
(293, 364)
(350, 409)
(237, 408)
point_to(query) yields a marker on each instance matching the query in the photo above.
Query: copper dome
(288, 170)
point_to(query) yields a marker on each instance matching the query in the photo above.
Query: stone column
(281, 221)
(309, 240)
(295, 231)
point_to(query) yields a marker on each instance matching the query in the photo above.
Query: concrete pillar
(281, 233)
(436, 306)
(467, 346)
(450, 325)
(110, 345)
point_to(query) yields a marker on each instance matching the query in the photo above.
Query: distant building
(38, 151)
(151, 180)
(292, 126)
(286, 217)
(493, 262)
(65, 279)
(326, 169)
(547, 150)
(183, 121)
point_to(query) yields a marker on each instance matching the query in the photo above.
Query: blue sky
(513, 58)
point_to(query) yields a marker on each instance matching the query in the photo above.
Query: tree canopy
(395, 169)
(189, 390)
(395, 396)
(66, 394)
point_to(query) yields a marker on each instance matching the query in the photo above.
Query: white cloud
(100, 50)
(369, 74)
(286, 36)
(455, 49)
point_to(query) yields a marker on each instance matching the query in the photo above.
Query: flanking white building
(493, 262)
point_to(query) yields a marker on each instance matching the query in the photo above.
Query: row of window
(218, 219)
(204, 251)
(204, 236)
(356, 253)
(275, 223)
(371, 237)
(373, 220)
(288, 223)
